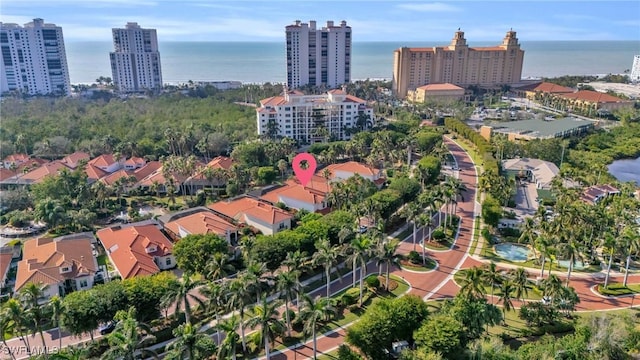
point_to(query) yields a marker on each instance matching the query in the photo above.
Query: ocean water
(258, 62)
(626, 170)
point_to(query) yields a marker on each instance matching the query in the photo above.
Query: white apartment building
(34, 60)
(313, 118)
(635, 70)
(318, 56)
(135, 63)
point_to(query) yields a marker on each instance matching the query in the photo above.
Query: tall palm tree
(552, 286)
(184, 293)
(543, 245)
(128, 337)
(569, 248)
(608, 248)
(238, 298)
(287, 285)
(472, 284)
(425, 220)
(227, 349)
(266, 315)
(520, 283)
(29, 296)
(17, 319)
(386, 254)
(631, 243)
(255, 278)
(361, 248)
(297, 261)
(412, 211)
(506, 289)
(216, 300)
(326, 256)
(492, 277)
(188, 341)
(528, 231)
(313, 312)
(55, 306)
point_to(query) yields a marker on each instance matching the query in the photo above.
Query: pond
(578, 265)
(626, 170)
(512, 252)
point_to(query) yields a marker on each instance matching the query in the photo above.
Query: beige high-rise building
(458, 64)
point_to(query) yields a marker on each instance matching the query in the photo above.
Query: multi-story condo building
(135, 63)
(458, 64)
(313, 118)
(635, 70)
(34, 60)
(318, 56)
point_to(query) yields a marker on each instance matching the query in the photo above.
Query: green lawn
(533, 294)
(476, 234)
(333, 355)
(430, 265)
(619, 289)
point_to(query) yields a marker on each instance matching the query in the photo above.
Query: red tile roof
(6, 173)
(42, 259)
(47, 169)
(221, 162)
(72, 160)
(16, 158)
(6, 254)
(296, 191)
(352, 167)
(203, 222)
(149, 168)
(115, 176)
(94, 172)
(128, 246)
(273, 101)
(239, 208)
(32, 163)
(135, 161)
(552, 88)
(103, 160)
(337, 92)
(593, 97)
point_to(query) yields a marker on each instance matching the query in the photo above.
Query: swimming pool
(512, 252)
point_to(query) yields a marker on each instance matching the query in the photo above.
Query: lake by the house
(626, 170)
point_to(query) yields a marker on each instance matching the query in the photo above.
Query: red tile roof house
(594, 194)
(107, 162)
(137, 249)
(37, 175)
(199, 220)
(7, 253)
(348, 169)
(260, 215)
(199, 179)
(14, 160)
(134, 163)
(65, 264)
(73, 160)
(311, 197)
(156, 176)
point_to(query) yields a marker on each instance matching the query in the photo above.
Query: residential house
(73, 160)
(65, 264)
(138, 174)
(343, 171)
(14, 160)
(7, 253)
(201, 179)
(107, 162)
(536, 171)
(311, 197)
(199, 220)
(94, 173)
(134, 163)
(542, 91)
(260, 215)
(137, 249)
(156, 181)
(37, 175)
(594, 194)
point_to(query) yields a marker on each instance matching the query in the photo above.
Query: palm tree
(543, 245)
(472, 284)
(6, 327)
(506, 289)
(216, 299)
(255, 278)
(362, 246)
(227, 349)
(327, 256)
(218, 267)
(386, 254)
(55, 306)
(492, 277)
(70, 353)
(287, 285)
(552, 286)
(568, 247)
(520, 283)
(17, 319)
(183, 294)
(297, 262)
(313, 312)
(631, 243)
(128, 337)
(266, 315)
(609, 248)
(238, 298)
(528, 231)
(188, 341)
(29, 296)
(425, 220)
(412, 211)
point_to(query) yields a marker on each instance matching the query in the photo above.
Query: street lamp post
(632, 299)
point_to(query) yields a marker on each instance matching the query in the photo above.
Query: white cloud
(429, 7)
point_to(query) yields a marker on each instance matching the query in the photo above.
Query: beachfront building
(458, 64)
(313, 118)
(34, 60)
(590, 102)
(635, 70)
(135, 63)
(318, 56)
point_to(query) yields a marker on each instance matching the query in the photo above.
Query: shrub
(392, 285)
(373, 282)
(438, 235)
(347, 299)
(345, 353)
(353, 292)
(414, 257)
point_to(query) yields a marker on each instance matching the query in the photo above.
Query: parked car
(107, 328)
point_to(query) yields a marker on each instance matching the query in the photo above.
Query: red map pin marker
(304, 175)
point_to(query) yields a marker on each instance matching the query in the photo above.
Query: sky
(371, 20)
